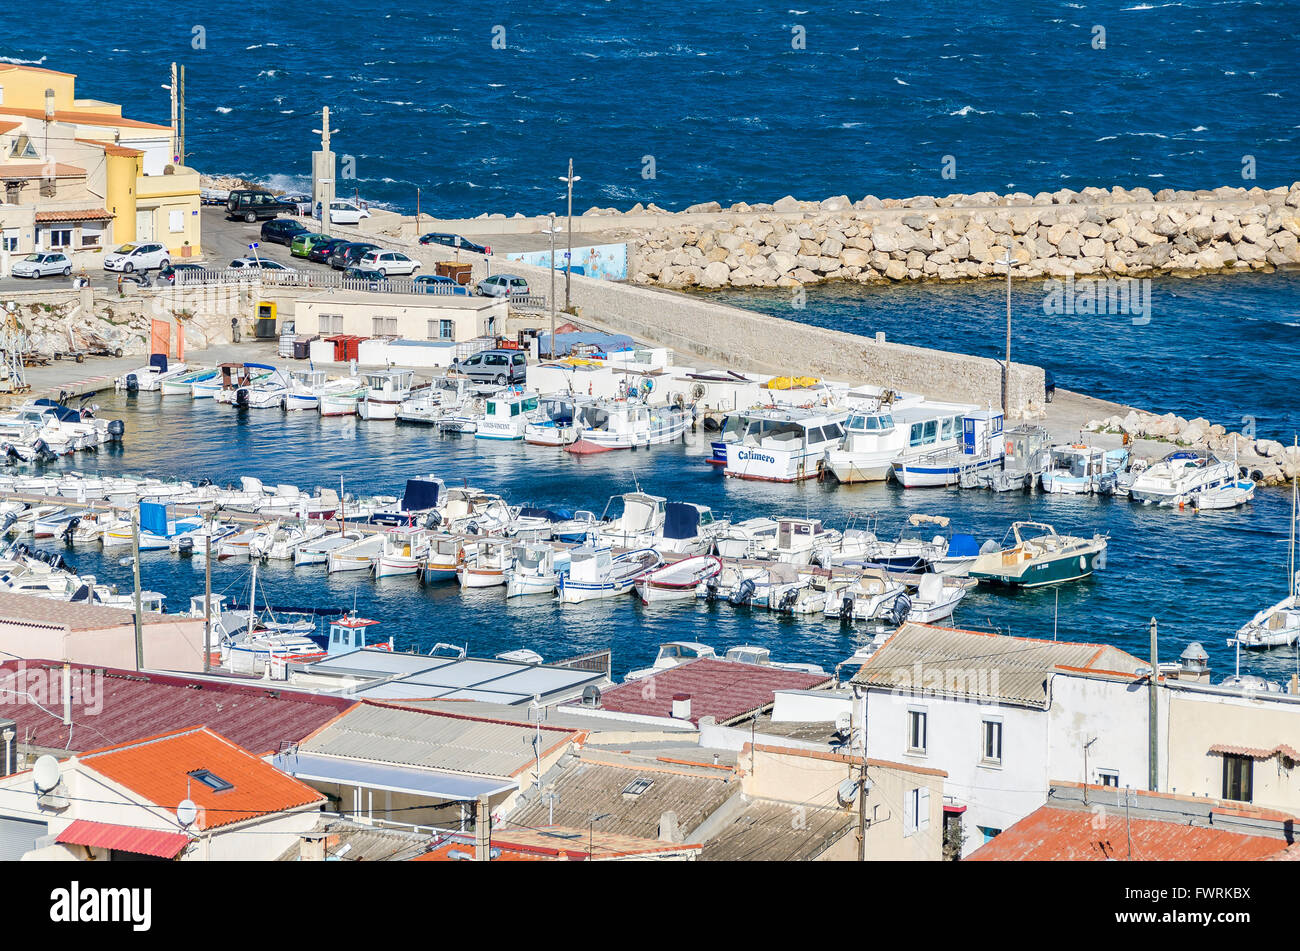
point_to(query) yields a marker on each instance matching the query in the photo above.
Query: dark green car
(302, 244)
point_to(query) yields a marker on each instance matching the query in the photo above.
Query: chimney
(1194, 664)
(681, 706)
(668, 828)
(49, 105)
(67, 694)
(8, 736)
(311, 847)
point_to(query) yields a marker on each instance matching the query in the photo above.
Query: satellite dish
(186, 813)
(844, 723)
(45, 774)
(847, 794)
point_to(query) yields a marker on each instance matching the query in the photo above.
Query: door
(144, 225)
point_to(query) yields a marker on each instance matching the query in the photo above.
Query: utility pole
(207, 599)
(568, 255)
(135, 569)
(323, 170)
(174, 89)
(1010, 262)
(1152, 749)
(552, 231)
(180, 151)
(862, 811)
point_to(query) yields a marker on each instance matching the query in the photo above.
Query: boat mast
(1290, 581)
(252, 601)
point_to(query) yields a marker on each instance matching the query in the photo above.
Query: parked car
(452, 241)
(1049, 384)
(344, 212)
(322, 250)
(375, 279)
(300, 200)
(388, 262)
(167, 275)
(303, 242)
(42, 263)
(440, 284)
(266, 264)
(348, 254)
(502, 285)
(283, 230)
(494, 366)
(137, 257)
(257, 204)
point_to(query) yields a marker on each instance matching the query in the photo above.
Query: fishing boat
(1024, 460)
(266, 391)
(670, 655)
(183, 385)
(641, 520)
(678, 580)
(402, 553)
(359, 555)
(627, 424)
(385, 392)
(553, 422)
(1279, 625)
(595, 573)
(536, 569)
(581, 526)
(871, 443)
(1227, 496)
(316, 551)
(781, 445)
(303, 389)
(506, 414)
(688, 529)
(1079, 469)
(442, 558)
(1039, 556)
(486, 563)
(980, 448)
(151, 377)
(340, 397)
(1180, 476)
(798, 540)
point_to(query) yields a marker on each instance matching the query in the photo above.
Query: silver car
(42, 263)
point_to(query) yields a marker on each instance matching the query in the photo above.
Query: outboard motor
(744, 592)
(8, 523)
(433, 519)
(56, 562)
(71, 527)
(116, 429)
(241, 396)
(846, 608)
(711, 589)
(185, 546)
(471, 528)
(204, 482)
(132, 384)
(43, 451)
(900, 609)
(11, 454)
(786, 604)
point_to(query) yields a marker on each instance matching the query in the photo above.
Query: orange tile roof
(23, 67)
(83, 118)
(112, 149)
(1256, 752)
(8, 126)
(157, 769)
(80, 214)
(39, 170)
(1055, 834)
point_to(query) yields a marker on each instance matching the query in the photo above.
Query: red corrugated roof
(1256, 752)
(1052, 834)
(159, 770)
(721, 689)
(163, 845)
(125, 705)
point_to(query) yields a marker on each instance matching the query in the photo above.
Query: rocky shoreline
(1094, 232)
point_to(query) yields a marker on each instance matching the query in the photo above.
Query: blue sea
(482, 105)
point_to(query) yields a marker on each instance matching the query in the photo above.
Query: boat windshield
(871, 424)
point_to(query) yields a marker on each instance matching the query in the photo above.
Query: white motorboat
(781, 445)
(302, 390)
(443, 557)
(678, 580)
(1079, 469)
(627, 424)
(386, 390)
(1039, 556)
(670, 655)
(1228, 496)
(752, 538)
(357, 556)
(402, 553)
(267, 392)
(340, 397)
(979, 448)
(873, 596)
(936, 597)
(688, 529)
(871, 443)
(505, 414)
(316, 551)
(151, 377)
(595, 573)
(486, 563)
(1180, 477)
(536, 569)
(641, 520)
(553, 422)
(762, 657)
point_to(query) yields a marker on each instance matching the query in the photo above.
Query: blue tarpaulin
(153, 518)
(159, 360)
(564, 343)
(680, 520)
(420, 494)
(962, 546)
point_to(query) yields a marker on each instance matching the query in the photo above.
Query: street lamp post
(1010, 262)
(568, 254)
(552, 231)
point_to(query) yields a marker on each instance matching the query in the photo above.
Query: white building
(1003, 716)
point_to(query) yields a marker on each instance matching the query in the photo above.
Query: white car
(345, 212)
(265, 264)
(137, 257)
(42, 263)
(388, 263)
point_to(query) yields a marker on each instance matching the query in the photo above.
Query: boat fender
(1099, 563)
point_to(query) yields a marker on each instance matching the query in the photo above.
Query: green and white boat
(185, 384)
(1040, 557)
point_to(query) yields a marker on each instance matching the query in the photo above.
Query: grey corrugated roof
(385, 734)
(948, 662)
(403, 779)
(586, 789)
(368, 844)
(768, 831)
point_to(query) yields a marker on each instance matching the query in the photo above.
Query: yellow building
(80, 177)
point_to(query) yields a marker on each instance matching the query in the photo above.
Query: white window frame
(923, 713)
(985, 758)
(1108, 774)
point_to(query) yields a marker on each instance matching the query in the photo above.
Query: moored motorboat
(1039, 556)
(677, 580)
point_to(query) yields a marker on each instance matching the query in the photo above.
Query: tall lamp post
(552, 231)
(1010, 262)
(568, 254)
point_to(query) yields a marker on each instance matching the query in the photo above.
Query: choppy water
(482, 107)
(1202, 576)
